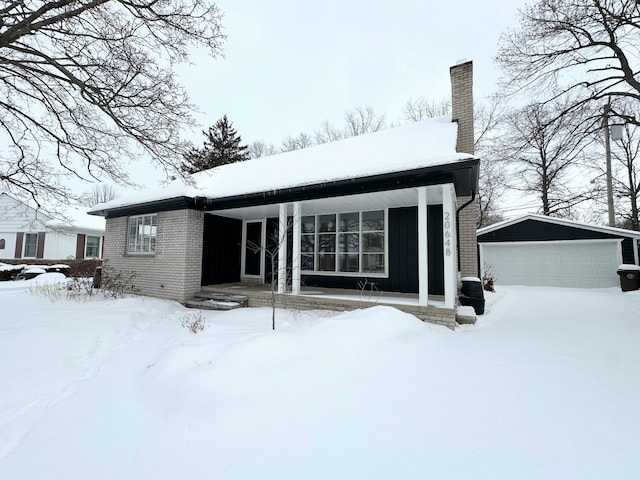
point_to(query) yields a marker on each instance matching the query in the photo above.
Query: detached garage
(541, 250)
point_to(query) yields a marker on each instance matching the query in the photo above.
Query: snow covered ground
(545, 386)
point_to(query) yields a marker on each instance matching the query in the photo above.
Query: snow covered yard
(546, 385)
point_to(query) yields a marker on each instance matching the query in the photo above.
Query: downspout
(473, 197)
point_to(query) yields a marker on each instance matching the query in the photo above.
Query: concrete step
(223, 297)
(213, 304)
(465, 315)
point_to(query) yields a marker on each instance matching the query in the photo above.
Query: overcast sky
(289, 65)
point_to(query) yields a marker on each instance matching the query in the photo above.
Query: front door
(253, 241)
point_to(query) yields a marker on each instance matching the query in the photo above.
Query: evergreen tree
(221, 146)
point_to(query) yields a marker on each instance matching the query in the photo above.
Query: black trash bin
(472, 294)
(629, 277)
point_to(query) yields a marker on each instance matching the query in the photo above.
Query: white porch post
(423, 261)
(282, 249)
(449, 245)
(295, 277)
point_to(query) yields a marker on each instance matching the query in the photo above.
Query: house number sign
(447, 234)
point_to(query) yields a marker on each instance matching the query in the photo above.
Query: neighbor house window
(30, 244)
(92, 247)
(142, 234)
(352, 242)
(2, 243)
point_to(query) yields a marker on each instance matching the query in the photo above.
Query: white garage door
(585, 264)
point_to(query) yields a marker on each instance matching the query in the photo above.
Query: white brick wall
(175, 270)
(468, 239)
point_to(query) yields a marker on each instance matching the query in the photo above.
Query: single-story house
(396, 207)
(540, 250)
(27, 233)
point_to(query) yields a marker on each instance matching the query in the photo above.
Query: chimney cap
(461, 61)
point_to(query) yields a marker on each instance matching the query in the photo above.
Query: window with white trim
(351, 242)
(142, 234)
(92, 247)
(30, 245)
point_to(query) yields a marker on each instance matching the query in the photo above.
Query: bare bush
(118, 283)
(194, 322)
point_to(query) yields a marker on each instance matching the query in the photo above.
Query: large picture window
(142, 234)
(351, 243)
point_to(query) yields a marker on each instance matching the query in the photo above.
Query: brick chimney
(462, 104)
(462, 113)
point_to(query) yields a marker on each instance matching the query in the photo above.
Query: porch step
(465, 315)
(243, 300)
(217, 301)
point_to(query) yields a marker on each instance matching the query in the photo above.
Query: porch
(338, 299)
(403, 240)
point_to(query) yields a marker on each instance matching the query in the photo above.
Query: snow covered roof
(73, 217)
(422, 144)
(559, 221)
(77, 218)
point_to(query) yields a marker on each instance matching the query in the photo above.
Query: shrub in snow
(194, 322)
(9, 272)
(57, 287)
(117, 283)
(54, 291)
(80, 286)
(488, 280)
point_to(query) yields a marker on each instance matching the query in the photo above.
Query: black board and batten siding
(222, 249)
(531, 230)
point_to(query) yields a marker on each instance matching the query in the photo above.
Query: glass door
(253, 250)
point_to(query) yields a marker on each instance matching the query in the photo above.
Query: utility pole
(607, 146)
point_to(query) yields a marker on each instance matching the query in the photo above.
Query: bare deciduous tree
(328, 133)
(626, 182)
(271, 251)
(492, 181)
(100, 193)
(300, 141)
(363, 120)
(85, 84)
(259, 149)
(586, 50)
(492, 186)
(419, 108)
(542, 151)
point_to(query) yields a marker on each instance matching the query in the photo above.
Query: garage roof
(559, 221)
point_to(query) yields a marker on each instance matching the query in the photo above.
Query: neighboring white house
(28, 233)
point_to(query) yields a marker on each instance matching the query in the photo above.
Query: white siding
(18, 217)
(60, 245)
(9, 249)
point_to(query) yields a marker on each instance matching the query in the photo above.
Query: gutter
(473, 197)
(388, 181)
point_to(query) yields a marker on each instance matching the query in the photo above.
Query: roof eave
(558, 221)
(464, 174)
